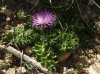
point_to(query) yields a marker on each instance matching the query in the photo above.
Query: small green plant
(70, 41)
(45, 54)
(85, 32)
(9, 55)
(78, 68)
(28, 66)
(46, 45)
(20, 36)
(21, 14)
(52, 44)
(5, 65)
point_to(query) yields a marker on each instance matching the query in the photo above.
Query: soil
(78, 62)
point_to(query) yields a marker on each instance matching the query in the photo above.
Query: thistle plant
(49, 43)
(43, 19)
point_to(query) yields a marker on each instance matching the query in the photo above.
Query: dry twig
(32, 61)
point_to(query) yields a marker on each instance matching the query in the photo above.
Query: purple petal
(44, 19)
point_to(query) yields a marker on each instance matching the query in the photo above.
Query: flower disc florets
(43, 19)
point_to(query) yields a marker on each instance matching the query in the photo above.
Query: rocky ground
(81, 61)
(90, 58)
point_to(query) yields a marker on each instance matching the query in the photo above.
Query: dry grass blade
(93, 1)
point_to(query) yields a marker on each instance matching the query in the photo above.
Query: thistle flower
(44, 19)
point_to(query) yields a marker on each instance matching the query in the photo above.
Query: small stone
(10, 71)
(98, 57)
(8, 19)
(94, 68)
(90, 51)
(94, 50)
(96, 39)
(8, 12)
(98, 50)
(3, 71)
(70, 71)
(28, 50)
(8, 60)
(1, 61)
(83, 71)
(92, 60)
(86, 51)
(23, 70)
(91, 55)
(63, 57)
(8, 27)
(80, 51)
(1, 42)
(97, 24)
(89, 61)
(77, 64)
(64, 70)
(84, 59)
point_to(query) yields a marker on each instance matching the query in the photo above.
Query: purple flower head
(44, 19)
